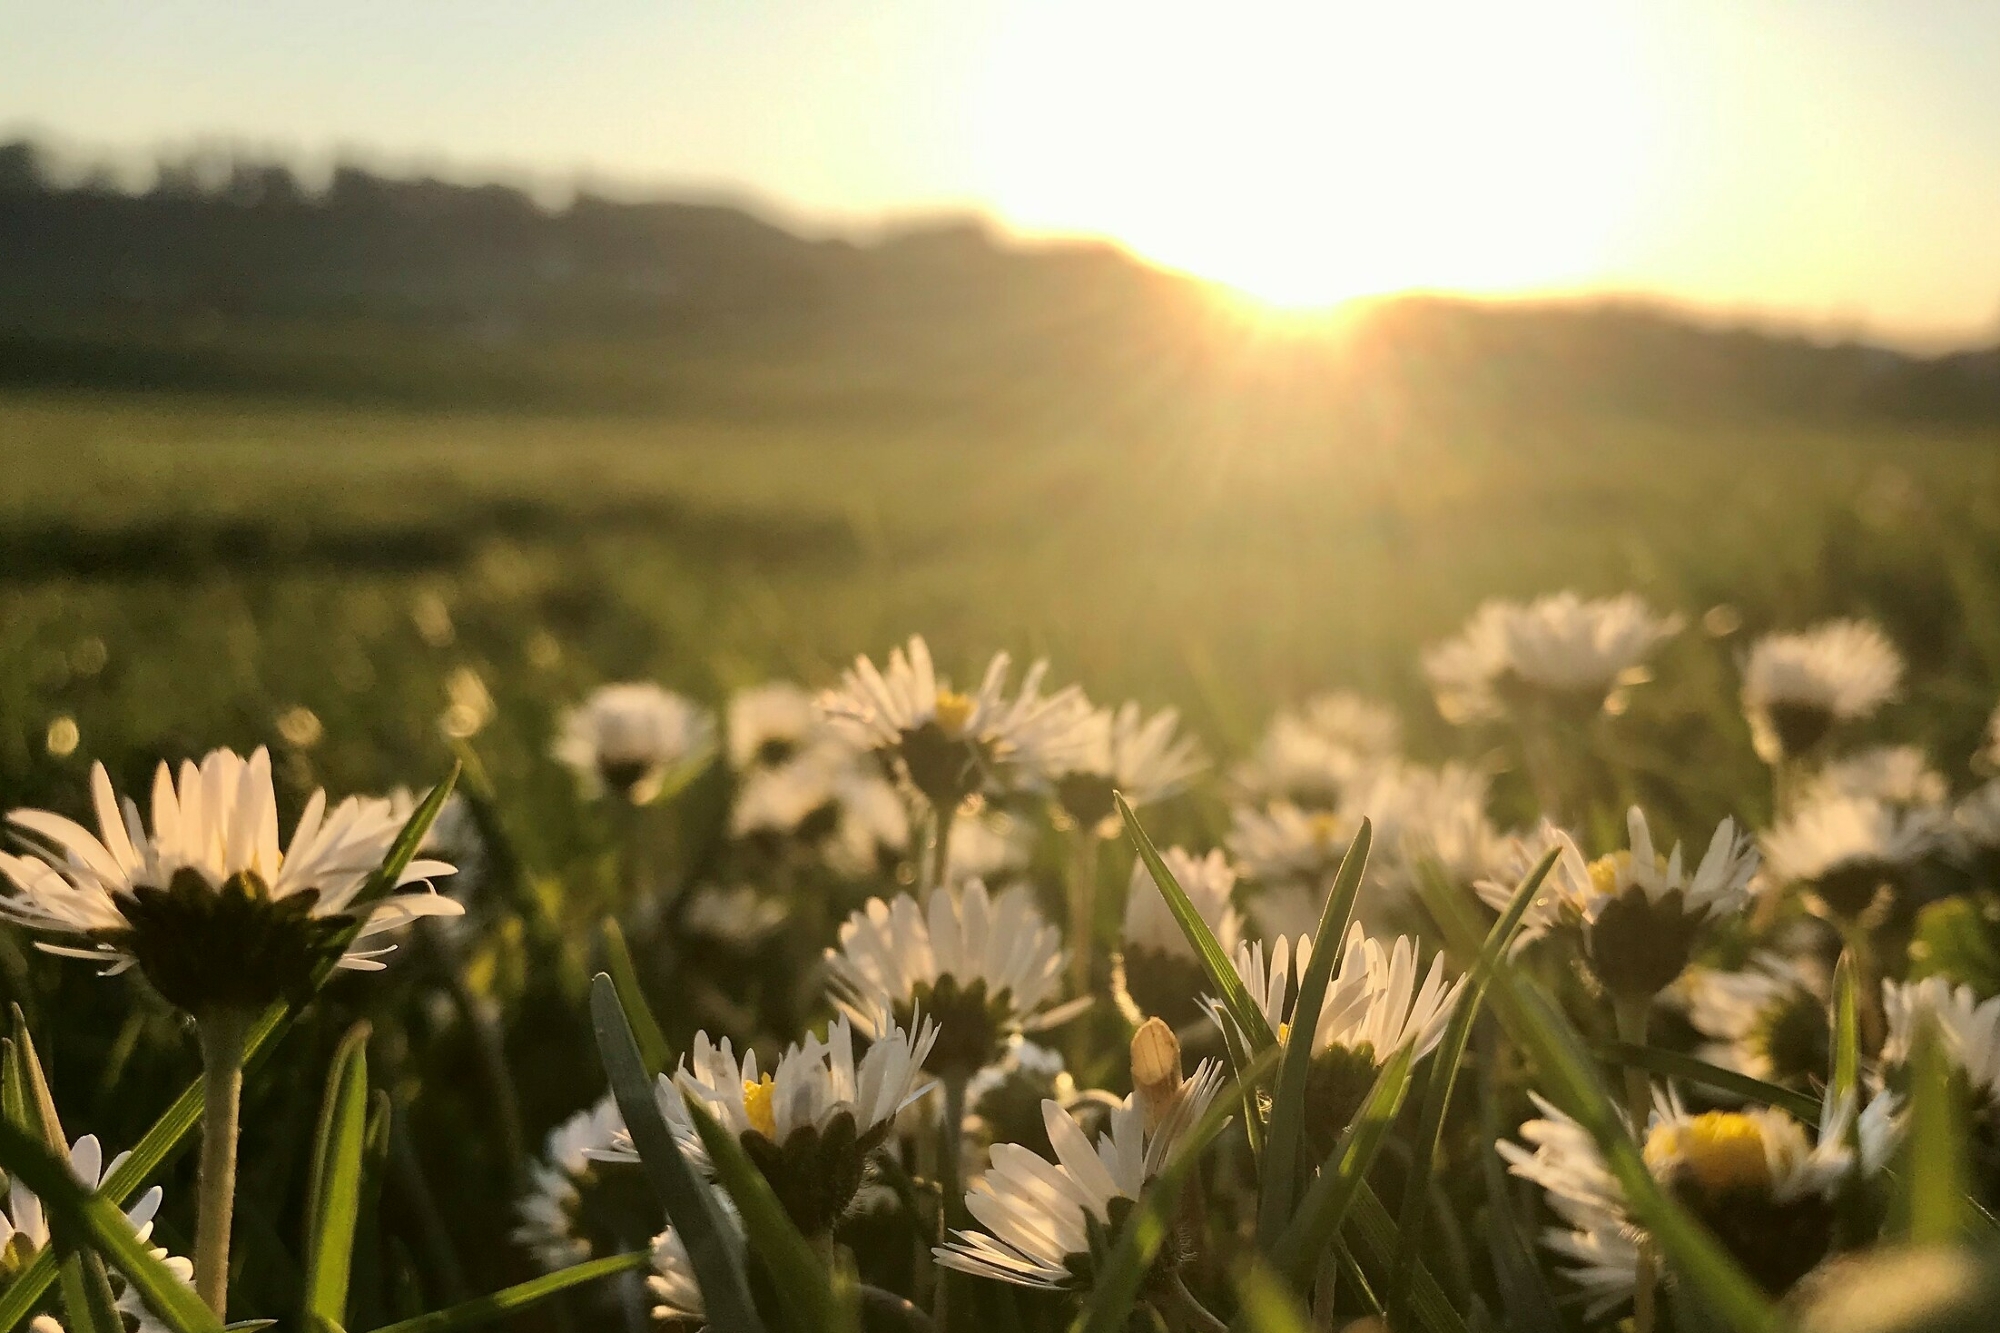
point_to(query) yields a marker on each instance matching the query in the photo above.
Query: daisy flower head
(579, 1204)
(635, 741)
(1282, 843)
(1514, 857)
(1309, 755)
(1769, 1020)
(1757, 1178)
(1374, 1007)
(1975, 825)
(946, 743)
(1156, 971)
(989, 845)
(1849, 850)
(24, 1233)
(1969, 1026)
(208, 882)
(1435, 815)
(672, 1286)
(1051, 1223)
(1561, 649)
(1642, 912)
(1004, 1100)
(984, 967)
(824, 806)
(771, 724)
(1121, 751)
(1897, 775)
(810, 1123)
(1797, 687)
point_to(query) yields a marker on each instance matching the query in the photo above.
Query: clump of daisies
(1561, 651)
(635, 741)
(1156, 972)
(1853, 854)
(1375, 1006)
(1798, 687)
(805, 793)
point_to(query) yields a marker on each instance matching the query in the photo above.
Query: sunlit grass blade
(333, 1205)
(1673, 1064)
(1370, 1225)
(522, 1296)
(1278, 1170)
(804, 1285)
(94, 1219)
(1265, 1305)
(1326, 1204)
(1844, 1078)
(1116, 1289)
(37, 1110)
(1934, 1203)
(1229, 987)
(718, 1267)
(1445, 1061)
(1572, 1082)
(653, 1048)
(88, 1304)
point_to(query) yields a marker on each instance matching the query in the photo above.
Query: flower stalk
(1631, 1013)
(222, 1034)
(1082, 909)
(951, 1189)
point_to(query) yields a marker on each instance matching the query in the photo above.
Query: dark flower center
(234, 947)
(1638, 945)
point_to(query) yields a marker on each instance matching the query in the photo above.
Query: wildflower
(1374, 1007)
(1897, 775)
(1641, 913)
(1123, 752)
(1156, 970)
(1309, 756)
(1796, 687)
(826, 805)
(1768, 1020)
(989, 845)
(771, 724)
(1050, 1224)
(948, 745)
(1285, 844)
(1754, 1177)
(208, 884)
(1004, 1099)
(1970, 1027)
(634, 741)
(1848, 850)
(1514, 857)
(579, 1206)
(24, 1232)
(1560, 648)
(1975, 825)
(983, 967)
(675, 1291)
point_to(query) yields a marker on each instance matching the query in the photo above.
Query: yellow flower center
(954, 712)
(1724, 1150)
(1325, 830)
(1284, 1033)
(1604, 872)
(757, 1106)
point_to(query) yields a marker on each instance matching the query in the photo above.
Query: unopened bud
(1156, 1070)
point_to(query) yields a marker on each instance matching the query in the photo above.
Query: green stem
(1082, 909)
(940, 859)
(221, 1033)
(1632, 1014)
(951, 1203)
(1192, 1313)
(1871, 1019)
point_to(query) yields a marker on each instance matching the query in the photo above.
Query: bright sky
(1833, 161)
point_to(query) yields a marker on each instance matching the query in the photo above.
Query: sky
(1833, 163)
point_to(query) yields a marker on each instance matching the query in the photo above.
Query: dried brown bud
(1156, 1070)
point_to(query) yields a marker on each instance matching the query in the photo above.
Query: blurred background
(378, 378)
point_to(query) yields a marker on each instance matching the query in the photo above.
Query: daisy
(1282, 843)
(1797, 686)
(773, 723)
(1310, 756)
(988, 845)
(1971, 1029)
(1004, 1100)
(1123, 752)
(1426, 815)
(946, 743)
(24, 1232)
(1050, 1223)
(1641, 913)
(826, 806)
(672, 1285)
(1846, 850)
(579, 1206)
(1899, 775)
(1559, 647)
(1754, 1177)
(1514, 857)
(1156, 970)
(983, 967)
(634, 741)
(1769, 1020)
(1374, 1007)
(209, 883)
(1975, 824)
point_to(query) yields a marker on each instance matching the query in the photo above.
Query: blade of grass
(1844, 1078)
(333, 1207)
(1229, 987)
(712, 1252)
(512, 1300)
(653, 1048)
(1277, 1174)
(1369, 1223)
(95, 1220)
(1558, 1052)
(1933, 1204)
(1116, 1290)
(1265, 1305)
(1445, 1061)
(86, 1292)
(1325, 1207)
(1673, 1064)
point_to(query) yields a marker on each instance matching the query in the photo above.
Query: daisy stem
(221, 1033)
(941, 821)
(951, 1129)
(1185, 1311)
(1869, 1015)
(1632, 1013)
(1082, 909)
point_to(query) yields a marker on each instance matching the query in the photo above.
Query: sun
(1309, 153)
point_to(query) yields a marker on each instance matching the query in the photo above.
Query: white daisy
(672, 1285)
(1513, 858)
(1894, 774)
(1970, 1028)
(1309, 756)
(209, 882)
(634, 740)
(1768, 1020)
(1559, 645)
(1975, 820)
(1797, 686)
(1156, 971)
(24, 1231)
(579, 1206)
(828, 805)
(1047, 1224)
(984, 967)
(1642, 912)
(1846, 848)
(1125, 752)
(950, 744)
(773, 723)
(989, 845)
(1427, 814)
(1282, 843)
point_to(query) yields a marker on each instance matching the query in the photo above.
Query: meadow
(375, 591)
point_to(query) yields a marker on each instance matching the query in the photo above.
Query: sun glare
(1308, 153)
